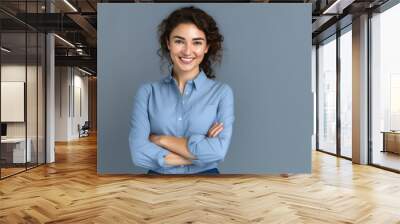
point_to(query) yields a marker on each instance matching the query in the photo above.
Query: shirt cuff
(161, 158)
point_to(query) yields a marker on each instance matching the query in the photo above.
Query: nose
(187, 49)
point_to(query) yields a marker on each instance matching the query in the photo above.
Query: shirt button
(183, 102)
(186, 93)
(179, 119)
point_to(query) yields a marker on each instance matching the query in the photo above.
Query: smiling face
(187, 46)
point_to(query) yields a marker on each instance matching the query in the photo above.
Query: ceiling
(76, 22)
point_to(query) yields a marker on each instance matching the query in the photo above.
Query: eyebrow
(197, 38)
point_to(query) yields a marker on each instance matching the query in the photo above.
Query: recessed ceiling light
(70, 5)
(337, 7)
(5, 50)
(86, 72)
(64, 40)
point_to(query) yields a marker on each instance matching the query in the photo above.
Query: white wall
(10, 73)
(62, 81)
(16, 72)
(80, 110)
(71, 94)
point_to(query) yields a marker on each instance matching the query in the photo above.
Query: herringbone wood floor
(70, 191)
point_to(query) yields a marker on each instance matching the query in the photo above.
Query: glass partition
(14, 153)
(22, 77)
(41, 87)
(32, 95)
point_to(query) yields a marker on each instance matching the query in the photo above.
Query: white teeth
(186, 60)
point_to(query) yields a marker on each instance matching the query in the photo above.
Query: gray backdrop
(266, 61)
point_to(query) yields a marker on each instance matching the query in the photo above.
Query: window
(327, 95)
(346, 75)
(385, 88)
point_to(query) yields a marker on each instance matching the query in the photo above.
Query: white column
(50, 110)
(50, 91)
(360, 90)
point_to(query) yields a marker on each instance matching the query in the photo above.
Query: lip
(186, 61)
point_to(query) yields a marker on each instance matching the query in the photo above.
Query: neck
(183, 77)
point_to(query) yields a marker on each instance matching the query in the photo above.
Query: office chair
(84, 130)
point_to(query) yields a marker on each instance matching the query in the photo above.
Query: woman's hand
(215, 130)
(173, 144)
(156, 139)
(173, 159)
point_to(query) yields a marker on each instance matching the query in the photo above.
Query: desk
(15, 148)
(391, 141)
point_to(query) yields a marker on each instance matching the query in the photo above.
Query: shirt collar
(200, 79)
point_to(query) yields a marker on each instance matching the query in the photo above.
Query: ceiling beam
(84, 24)
(337, 6)
(85, 61)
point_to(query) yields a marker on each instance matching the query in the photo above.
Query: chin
(186, 68)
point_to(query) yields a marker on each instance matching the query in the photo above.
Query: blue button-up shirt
(159, 108)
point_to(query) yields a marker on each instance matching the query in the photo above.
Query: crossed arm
(155, 151)
(177, 146)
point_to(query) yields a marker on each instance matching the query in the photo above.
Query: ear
(168, 44)
(208, 46)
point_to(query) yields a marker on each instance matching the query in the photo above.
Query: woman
(183, 123)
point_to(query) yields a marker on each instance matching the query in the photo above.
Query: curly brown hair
(203, 22)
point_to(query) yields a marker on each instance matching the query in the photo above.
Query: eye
(198, 43)
(178, 41)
